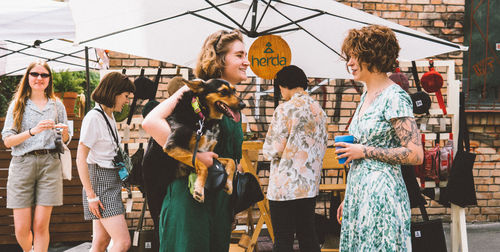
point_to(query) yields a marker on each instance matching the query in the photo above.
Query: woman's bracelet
(29, 131)
(93, 200)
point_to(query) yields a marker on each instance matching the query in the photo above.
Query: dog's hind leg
(186, 157)
(230, 167)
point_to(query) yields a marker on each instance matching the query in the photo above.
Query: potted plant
(67, 87)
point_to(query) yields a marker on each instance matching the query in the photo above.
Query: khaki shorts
(35, 180)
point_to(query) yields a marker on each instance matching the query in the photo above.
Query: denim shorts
(35, 180)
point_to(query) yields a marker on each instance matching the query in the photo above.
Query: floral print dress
(376, 214)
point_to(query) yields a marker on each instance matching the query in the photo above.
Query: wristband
(93, 200)
(29, 131)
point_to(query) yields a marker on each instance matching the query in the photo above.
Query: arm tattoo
(392, 156)
(407, 131)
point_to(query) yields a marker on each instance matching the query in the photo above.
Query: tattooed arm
(410, 152)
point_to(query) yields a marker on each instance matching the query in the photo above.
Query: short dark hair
(375, 45)
(291, 77)
(111, 85)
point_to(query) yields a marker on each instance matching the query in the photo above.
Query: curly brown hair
(211, 60)
(375, 45)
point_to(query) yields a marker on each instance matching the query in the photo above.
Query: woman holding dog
(295, 143)
(187, 225)
(35, 176)
(375, 213)
(102, 201)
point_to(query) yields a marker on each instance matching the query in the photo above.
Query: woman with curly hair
(375, 213)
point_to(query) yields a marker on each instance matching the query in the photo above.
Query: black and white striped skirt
(107, 185)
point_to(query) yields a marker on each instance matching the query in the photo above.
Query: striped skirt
(107, 185)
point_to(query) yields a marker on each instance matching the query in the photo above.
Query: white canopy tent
(173, 31)
(31, 29)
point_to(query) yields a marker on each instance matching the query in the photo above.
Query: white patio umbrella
(173, 31)
(32, 29)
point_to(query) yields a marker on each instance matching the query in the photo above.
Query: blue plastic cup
(344, 139)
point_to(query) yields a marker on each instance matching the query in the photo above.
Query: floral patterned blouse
(296, 143)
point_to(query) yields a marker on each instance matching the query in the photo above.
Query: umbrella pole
(87, 80)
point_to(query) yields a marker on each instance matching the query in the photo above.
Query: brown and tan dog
(215, 98)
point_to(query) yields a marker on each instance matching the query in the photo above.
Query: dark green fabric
(189, 226)
(230, 139)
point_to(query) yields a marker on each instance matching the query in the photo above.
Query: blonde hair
(23, 92)
(211, 60)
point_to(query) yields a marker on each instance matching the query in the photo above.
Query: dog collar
(195, 103)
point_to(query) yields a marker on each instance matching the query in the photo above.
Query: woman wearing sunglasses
(35, 177)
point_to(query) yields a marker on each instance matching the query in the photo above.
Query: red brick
(482, 188)
(113, 54)
(417, 8)
(128, 62)
(436, 1)
(115, 62)
(428, 8)
(141, 62)
(438, 23)
(418, 1)
(456, 2)
(369, 6)
(483, 181)
(404, 22)
(493, 202)
(154, 63)
(490, 210)
(382, 7)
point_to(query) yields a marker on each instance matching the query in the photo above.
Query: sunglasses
(35, 74)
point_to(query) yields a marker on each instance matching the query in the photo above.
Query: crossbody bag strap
(109, 125)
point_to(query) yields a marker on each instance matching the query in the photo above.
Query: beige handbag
(65, 157)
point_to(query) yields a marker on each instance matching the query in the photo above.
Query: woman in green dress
(185, 224)
(375, 214)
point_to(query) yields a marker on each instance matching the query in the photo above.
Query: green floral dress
(376, 215)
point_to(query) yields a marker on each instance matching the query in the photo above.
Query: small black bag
(246, 191)
(428, 235)
(461, 190)
(421, 100)
(142, 239)
(135, 177)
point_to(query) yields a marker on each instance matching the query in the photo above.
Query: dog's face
(219, 98)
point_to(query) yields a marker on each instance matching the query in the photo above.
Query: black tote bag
(461, 190)
(428, 235)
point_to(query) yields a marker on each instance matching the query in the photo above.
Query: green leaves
(67, 81)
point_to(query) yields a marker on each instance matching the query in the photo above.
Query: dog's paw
(229, 187)
(198, 196)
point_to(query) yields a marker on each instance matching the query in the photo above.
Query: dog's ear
(196, 85)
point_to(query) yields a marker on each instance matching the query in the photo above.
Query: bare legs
(105, 229)
(40, 236)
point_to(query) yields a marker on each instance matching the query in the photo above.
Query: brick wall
(441, 18)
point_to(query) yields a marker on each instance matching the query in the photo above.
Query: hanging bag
(421, 100)
(64, 153)
(427, 235)
(461, 188)
(121, 161)
(142, 239)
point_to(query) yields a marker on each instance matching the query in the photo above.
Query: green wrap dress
(376, 214)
